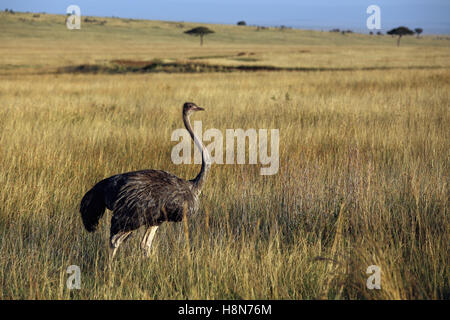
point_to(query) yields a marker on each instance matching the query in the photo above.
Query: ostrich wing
(150, 197)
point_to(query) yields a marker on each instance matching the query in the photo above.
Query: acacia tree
(418, 31)
(199, 31)
(400, 32)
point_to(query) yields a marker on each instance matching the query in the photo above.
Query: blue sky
(432, 15)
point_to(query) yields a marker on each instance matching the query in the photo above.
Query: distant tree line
(399, 31)
(258, 28)
(95, 21)
(337, 30)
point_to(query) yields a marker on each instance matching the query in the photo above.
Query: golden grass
(363, 180)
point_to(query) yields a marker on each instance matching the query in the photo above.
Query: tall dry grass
(363, 180)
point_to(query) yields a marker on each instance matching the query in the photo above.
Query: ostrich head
(190, 107)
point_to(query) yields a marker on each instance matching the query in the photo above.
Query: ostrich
(144, 198)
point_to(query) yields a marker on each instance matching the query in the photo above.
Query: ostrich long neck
(206, 161)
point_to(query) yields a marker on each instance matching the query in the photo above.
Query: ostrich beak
(199, 109)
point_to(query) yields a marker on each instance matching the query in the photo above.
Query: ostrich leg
(116, 241)
(146, 243)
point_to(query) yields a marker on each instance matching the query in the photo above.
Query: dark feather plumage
(150, 197)
(147, 197)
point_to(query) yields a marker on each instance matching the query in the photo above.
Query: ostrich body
(144, 198)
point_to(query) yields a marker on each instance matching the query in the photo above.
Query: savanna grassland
(363, 178)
